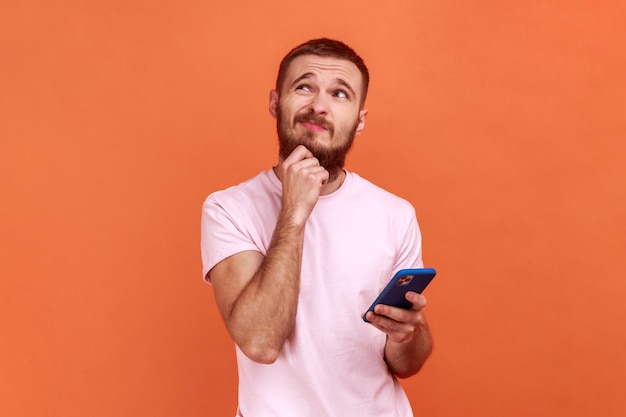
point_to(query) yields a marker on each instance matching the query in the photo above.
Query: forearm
(263, 315)
(258, 296)
(407, 358)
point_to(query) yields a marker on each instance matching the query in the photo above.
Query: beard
(332, 158)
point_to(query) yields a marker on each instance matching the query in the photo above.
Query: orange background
(504, 123)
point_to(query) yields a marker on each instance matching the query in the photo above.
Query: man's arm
(409, 342)
(256, 295)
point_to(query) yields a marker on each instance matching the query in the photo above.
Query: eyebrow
(339, 81)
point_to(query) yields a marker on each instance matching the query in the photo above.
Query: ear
(273, 102)
(361, 124)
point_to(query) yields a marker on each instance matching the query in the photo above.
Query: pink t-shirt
(355, 239)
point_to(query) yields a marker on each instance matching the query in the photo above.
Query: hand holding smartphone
(405, 280)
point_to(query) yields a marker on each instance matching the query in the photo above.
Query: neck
(333, 185)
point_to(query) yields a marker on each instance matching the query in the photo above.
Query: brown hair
(324, 47)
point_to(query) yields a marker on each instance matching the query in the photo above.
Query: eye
(340, 94)
(304, 87)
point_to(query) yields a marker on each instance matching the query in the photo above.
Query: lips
(316, 124)
(313, 126)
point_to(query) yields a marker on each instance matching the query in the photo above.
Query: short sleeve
(409, 253)
(221, 236)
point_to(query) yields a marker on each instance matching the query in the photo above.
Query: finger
(310, 162)
(397, 314)
(299, 153)
(300, 160)
(389, 326)
(417, 299)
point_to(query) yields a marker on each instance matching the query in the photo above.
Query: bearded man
(296, 254)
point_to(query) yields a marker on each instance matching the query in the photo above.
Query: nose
(319, 104)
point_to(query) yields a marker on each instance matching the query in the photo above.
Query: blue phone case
(414, 279)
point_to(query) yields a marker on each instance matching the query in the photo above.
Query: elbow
(260, 353)
(407, 373)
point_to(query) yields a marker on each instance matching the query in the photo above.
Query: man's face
(319, 106)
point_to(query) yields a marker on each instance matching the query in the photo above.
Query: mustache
(314, 118)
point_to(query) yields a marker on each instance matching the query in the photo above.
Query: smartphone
(414, 279)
